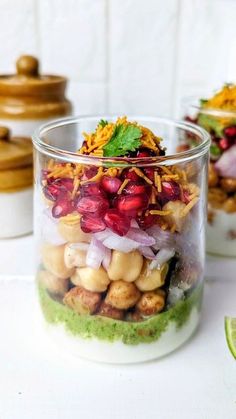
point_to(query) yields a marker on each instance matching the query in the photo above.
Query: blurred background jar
(218, 116)
(16, 179)
(28, 99)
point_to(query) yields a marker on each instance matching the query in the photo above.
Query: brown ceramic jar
(16, 178)
(28, 99)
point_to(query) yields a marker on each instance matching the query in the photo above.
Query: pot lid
(29, 82)
(15, 152)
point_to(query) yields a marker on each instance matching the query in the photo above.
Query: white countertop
(38, 381)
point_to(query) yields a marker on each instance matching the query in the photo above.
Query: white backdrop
(125, 55)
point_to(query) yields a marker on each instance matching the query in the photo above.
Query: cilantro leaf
(210, 123)
(125, 138)
(203, 101)
(103, 123)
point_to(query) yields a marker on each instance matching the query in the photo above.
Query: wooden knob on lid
(4, 133)
(27, 65)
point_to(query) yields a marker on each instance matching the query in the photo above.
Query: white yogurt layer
(117, 352)
(16, 212)
(218, 237)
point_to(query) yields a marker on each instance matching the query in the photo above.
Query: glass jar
(107, 295)
(221, 124)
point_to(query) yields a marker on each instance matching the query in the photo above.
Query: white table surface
(38, 381)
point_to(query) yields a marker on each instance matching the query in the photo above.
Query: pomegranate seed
(51, 192)
(62, 207)
(146, 221)
(95, 205)
(230, 132)
(132, 204)
(91, 224)
(225, 143)
(91, 188)
(136, 188)
(89, 173)
(149, 172)
(170, 192)
(66, 183)
(110, 184)
(145, 152)
(58, 187)
(117, 222)
(128, 174)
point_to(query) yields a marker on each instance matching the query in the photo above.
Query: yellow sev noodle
(97, 140)
(160, 212)
(122, 186)
(189, 206)
(141, 174)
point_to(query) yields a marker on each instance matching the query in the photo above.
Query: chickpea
(91, 279)
(213, 178)
(74, 257)
(151, 302)
(228, 184)
(53, 260)
(126, 266)
(122, 295)
(152, 279)
(175, 218)
(216, 197)
(73, 233)
(107, 310)
(52, 283)
(230, 205)
(82, 301)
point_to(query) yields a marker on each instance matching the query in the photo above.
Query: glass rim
(170, 159)
(193, 102)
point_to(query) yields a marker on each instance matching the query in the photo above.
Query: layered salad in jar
(121, 254)
(218, 116)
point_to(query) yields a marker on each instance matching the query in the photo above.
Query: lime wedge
(230, 331)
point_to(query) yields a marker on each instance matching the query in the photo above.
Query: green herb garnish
(211, 123)
(103, 123)
(125, 138)
(203, 101)
(215, 150)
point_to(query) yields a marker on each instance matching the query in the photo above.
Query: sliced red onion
(147, 252)
(161, 257)
(96, 254)
(162, 238)
(102, 235)
(116, 242)
(226, 165)
(140, 236)
(134, 223)
(49, 230)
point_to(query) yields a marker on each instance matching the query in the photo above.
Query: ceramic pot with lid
(28, 99)
(16, 178)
